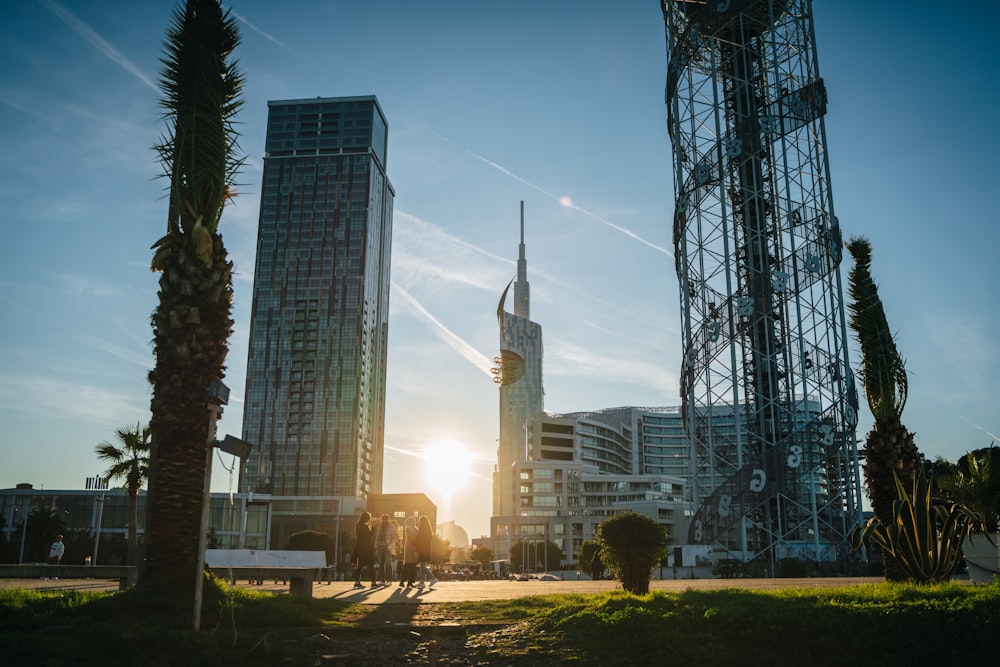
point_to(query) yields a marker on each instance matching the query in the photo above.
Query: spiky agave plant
(924, 537)
(200, 95)
(889, 449)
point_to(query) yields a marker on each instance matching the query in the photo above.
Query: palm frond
(883, 370)
(200, 95)
(130, 461)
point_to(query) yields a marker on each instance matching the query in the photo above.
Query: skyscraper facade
(315, 386)
(558, 476)
(519, 375)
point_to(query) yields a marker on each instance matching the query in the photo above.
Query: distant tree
(632, 544)
(482, 555)
(587, 550)
(79, 544)
(44, 523)
(539, 555)
(312, 540)
(129, 461)
(889, 449)
(440, 550)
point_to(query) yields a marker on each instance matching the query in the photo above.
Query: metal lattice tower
(769, 400)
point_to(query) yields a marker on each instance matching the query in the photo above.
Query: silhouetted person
(425, 538)
(385, 547)
(364, 550)
(410, 532)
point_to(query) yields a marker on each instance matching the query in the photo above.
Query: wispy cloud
(104, 46)
(143, 360)
(424, 251)
(32, 397)
(574, 360)
(77, 284)
(476, 358)
(565, 201)
(271, 38)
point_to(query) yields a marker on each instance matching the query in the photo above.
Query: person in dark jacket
(364, 550)
(425, 538)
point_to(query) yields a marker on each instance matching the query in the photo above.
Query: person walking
(410, 533)
(385, 548)
(424, 540)
(364, 550)
(56, 552)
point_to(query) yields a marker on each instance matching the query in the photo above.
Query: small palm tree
(975, 483)
(201, 88)
(129, 461)
(889, 450)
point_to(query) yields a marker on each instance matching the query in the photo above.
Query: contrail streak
(98, 42)
(260, 32)
(992, 435)
(471, 354)
(565, 201)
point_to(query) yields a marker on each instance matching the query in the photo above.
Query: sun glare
(447, 467)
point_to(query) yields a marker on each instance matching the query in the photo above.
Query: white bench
(299, 568)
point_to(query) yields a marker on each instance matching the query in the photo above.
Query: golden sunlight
(447, 467)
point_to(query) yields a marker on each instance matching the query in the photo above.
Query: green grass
(859, 625)
(862, 625)
(60, 629)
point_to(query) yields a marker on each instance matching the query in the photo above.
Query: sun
(447, 467)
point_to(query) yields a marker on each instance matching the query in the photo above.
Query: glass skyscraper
(315, 388)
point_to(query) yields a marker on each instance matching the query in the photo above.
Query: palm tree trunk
(889, 453)
(192, 325)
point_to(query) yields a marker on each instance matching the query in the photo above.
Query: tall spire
(522, 306)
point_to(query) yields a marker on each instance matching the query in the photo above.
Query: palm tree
(191, 325)
(129, 463)
(889, 448)
(975, 482)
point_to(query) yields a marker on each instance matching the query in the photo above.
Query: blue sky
(488, 104)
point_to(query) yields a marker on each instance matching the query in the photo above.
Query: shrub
(631, 545)
(312, 540)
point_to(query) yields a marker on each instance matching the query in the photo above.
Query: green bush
(312, 540)
(793, 568)
(632, 544)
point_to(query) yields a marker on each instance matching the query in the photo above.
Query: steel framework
(769, 400)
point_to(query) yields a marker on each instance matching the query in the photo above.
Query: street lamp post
(24, 532)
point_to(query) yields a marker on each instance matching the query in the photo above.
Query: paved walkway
(460, 591)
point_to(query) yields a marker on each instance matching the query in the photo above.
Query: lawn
(881, 624)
